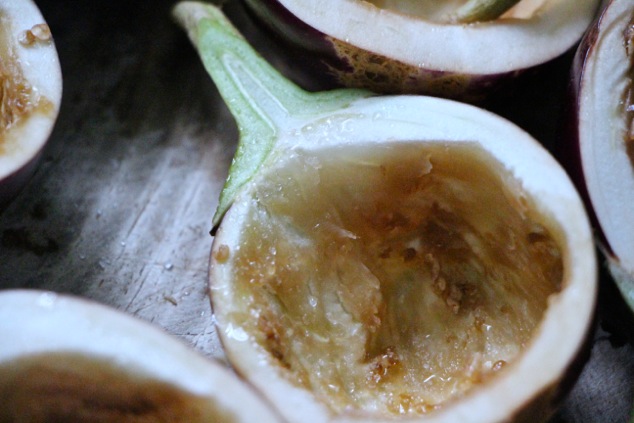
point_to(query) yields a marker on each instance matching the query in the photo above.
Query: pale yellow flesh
(395, 279)
(70, 387)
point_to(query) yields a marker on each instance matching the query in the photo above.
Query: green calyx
(482, 10)
(263, 102)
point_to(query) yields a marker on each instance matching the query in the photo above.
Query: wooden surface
(119, 210)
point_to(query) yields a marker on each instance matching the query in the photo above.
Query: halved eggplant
(420, 46)
(391, 257)
(601, 135)
(31, 84)
(73, 360)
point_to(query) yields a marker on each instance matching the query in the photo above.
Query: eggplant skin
(568, 151)
(358, 68)
(615, 276)
(544, 405)
(321, 62)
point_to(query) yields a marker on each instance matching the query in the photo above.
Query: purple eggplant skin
(323, 62)
(615, 313)
(568, 151)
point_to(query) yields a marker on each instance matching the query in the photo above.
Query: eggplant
(391, 257)
(31, 79)
(70, 359)
(599, 151)
(421, 47)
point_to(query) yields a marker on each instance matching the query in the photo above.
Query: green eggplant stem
(261, 100)
(482, 10)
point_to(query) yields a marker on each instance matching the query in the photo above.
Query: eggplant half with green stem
(391, 257)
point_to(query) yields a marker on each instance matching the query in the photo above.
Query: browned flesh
(18, 99)
(71, 388)
(393, 278)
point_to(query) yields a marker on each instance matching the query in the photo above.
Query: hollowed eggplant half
(31, 90)
(601, 135)
(65, 359)
(391, 257)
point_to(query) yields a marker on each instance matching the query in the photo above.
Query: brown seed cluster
(222, 253)
(16, 96)
(273, 339)
(383, 365)
(405, 403)
(39, 33)
(383, 75)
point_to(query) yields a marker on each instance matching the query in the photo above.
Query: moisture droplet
(47, 299)
(168, 266)
(346, 125)
(308, 129)
(236, 333)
